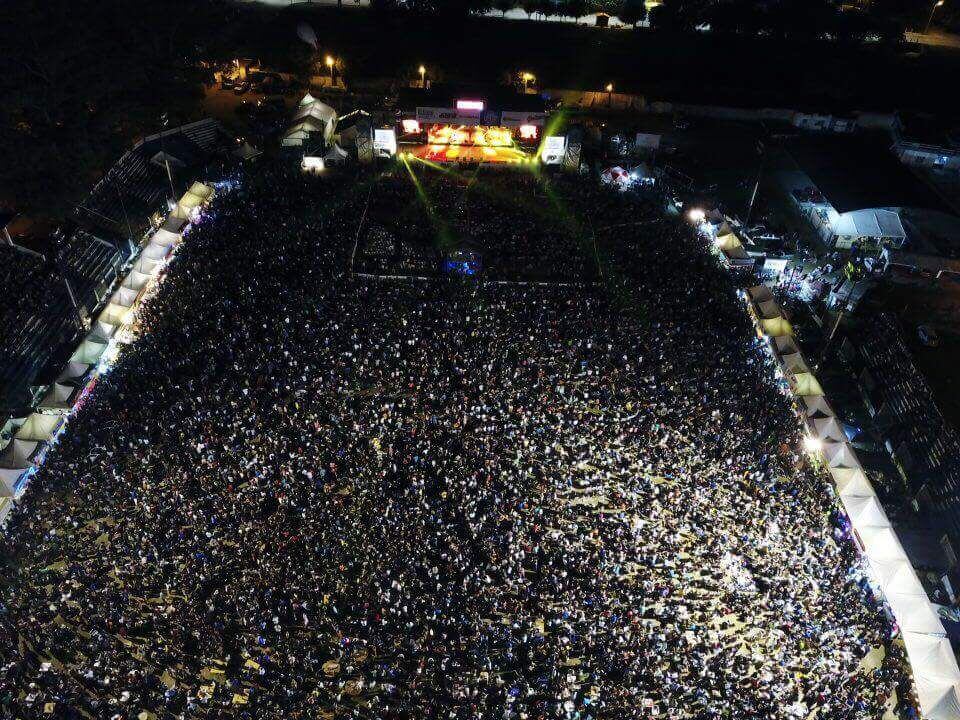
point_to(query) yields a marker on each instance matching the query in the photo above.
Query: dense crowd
(309, 494)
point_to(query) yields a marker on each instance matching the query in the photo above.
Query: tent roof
(760, 293)
(805, 383)
(768, 309)
(865, 511)
(776, 327)
(817, 406)
(829, 428)
(851, 481)
(870, 223)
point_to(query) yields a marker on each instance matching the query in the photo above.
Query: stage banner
(517, 119)
(448, 116)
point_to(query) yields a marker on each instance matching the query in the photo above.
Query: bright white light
(697, 216)
(812, 444)
(469, 105)
(410, 125)
(528, 132)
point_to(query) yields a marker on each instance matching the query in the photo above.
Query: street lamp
(527, 78)
(609, 94)
(330, 63)
(937, 4)
(423, 77)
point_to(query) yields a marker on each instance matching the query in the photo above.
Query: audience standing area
(568, 484)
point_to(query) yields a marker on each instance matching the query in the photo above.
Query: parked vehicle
(240, 88)
(928, 335)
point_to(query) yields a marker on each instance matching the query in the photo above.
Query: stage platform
(469, 154)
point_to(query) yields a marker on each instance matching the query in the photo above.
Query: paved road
(936, 38)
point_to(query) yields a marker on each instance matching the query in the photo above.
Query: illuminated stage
(470, 154)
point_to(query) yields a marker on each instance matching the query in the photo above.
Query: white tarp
(39, 427)
(155, 252)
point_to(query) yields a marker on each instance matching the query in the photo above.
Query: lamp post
(937, 4)
(527, 79)
(330, 64)
(423, 76)
(610, 94)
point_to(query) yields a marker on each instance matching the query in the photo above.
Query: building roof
(859, 172)
(877, 223)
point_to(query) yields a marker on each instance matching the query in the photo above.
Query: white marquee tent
(60, 397)
(39, 427)
(828, 428)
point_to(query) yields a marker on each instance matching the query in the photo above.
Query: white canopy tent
(145, 265)
(881, 543)
(74, 372)
(865, 511)
(18, 454)
(191, 202)
(851, 481)
(828, 428)
(938, 700)
(759, 293)
(794, 364)
(816, 406)
(840, 455)
(768, 309)
(9, 477)
(60, 397)
(124, 296)
(39, 427)
(135, 280)
(805, 384)
(114, 314)
(89, 351)
(786, 345)
(776, 327)
(932, 657)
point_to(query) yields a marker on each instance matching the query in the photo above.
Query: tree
(632, 12)
(531, 7)
(576, 8)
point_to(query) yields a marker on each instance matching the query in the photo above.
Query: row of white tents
(33, 434)
(934, 665)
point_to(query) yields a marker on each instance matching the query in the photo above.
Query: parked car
(240, 88)
(228, 84)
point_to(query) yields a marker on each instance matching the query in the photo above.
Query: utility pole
(761, 149)
(164, 121)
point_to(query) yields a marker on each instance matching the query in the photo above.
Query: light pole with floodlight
(938, 3)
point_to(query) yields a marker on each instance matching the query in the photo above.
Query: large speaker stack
(364, 140)
(571, 158)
